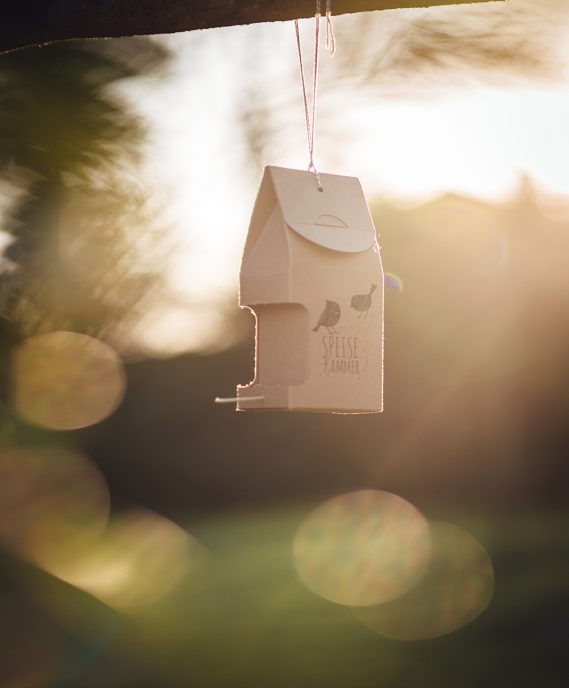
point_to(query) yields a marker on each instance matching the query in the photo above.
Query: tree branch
(32, 22)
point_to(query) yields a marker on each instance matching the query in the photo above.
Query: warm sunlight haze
(358, 478)
(448, 132)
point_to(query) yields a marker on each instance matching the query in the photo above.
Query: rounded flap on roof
(332, 232)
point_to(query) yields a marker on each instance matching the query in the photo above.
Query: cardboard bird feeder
(312, 276)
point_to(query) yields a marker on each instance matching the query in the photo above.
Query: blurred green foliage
(247, 619)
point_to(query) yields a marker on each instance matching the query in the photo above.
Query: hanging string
(330, 38)
(310, 117)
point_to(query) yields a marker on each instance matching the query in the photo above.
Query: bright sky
(474, 139)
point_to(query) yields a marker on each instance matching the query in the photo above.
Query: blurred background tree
(80, 222)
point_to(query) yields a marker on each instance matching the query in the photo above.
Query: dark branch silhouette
(33, 22)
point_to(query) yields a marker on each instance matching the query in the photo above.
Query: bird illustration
(329, 318)
(362, 302)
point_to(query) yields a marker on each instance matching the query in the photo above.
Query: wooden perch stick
(32, 22)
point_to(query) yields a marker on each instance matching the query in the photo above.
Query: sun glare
(467, 137)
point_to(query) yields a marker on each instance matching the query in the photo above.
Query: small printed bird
(362, 302)
(329, 318)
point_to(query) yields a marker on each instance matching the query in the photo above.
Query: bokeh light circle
(141, 557)
(50, 498)
(65, 380)
(362, 548)
(394, 282)
(456, 587)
